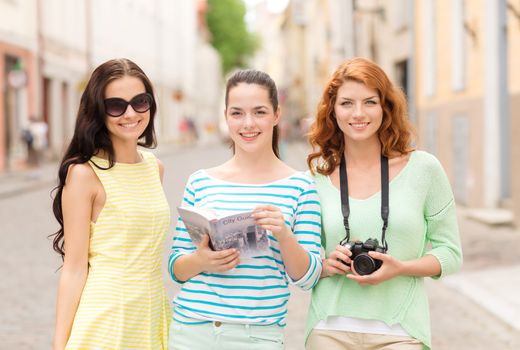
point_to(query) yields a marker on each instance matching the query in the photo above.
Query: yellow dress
(124, 303)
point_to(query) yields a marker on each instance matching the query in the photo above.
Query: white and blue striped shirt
(255, 291)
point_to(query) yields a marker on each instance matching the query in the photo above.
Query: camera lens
(364, 264)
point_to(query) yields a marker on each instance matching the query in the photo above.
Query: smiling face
(358, 112)
(251, 118)
(130, 125)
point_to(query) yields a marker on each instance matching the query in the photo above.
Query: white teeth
(359, 125)
(129, 125)
(250, 134)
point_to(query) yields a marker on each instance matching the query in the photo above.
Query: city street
(30, 268)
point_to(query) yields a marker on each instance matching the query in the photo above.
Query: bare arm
(426, 266)
(77, 200)
(295, 258)
(161, 169)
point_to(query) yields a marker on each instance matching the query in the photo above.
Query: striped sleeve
(182, 243)
(307, 228)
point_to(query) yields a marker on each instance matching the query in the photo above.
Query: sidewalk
(15, 183)
(46, 176)
(490, 274)
(493, 289)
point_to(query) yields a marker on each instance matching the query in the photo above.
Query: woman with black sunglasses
(113, 217)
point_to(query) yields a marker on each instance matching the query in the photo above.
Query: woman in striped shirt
(228, 301)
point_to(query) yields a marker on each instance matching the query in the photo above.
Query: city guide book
(237, 231)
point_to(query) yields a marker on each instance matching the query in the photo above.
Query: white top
(359, 325)
(255, 291)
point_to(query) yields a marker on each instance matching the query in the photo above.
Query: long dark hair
(91, 134)
(251, 76)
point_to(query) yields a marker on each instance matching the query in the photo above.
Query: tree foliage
(229, 34)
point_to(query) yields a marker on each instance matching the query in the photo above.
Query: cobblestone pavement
(29, 267)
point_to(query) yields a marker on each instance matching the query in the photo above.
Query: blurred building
(18, 76)
(207, 89)
(48, 49)
(455, 60)
(300, 48)
(468, 97)
(63, 62)
(269, 27)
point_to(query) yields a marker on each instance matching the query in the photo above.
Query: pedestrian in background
(113, 217)
(230, 302)
(28, 138)
(38, 129)
(388, 217)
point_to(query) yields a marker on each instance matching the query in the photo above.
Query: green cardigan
(422, 221)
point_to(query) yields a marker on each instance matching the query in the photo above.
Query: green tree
(229, 34)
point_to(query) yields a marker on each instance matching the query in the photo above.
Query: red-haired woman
(388, 217)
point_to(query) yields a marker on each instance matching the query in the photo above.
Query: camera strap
(345, 206)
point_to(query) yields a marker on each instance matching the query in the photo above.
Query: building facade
(456, 60)
(18, 77)
(48, 48)
(467, 96)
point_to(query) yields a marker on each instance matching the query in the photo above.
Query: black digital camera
(364, 264)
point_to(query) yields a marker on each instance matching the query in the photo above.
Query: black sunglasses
(116, 106)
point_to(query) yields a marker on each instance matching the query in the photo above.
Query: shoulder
(301, 179)
(197, 177)
(430, 174)
(317, 177)
(302, 183)
(426, 162)
(81, 177)
(80, 172)
(149, 156)
(424, 156)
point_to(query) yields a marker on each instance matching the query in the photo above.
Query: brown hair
(325, 136)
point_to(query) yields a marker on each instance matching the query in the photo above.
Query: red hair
(325, 136)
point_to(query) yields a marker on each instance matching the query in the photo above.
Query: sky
(275, 6)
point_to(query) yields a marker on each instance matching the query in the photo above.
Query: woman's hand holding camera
(390, 268)
(337, 263)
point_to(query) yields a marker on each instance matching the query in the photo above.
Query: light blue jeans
(225, 336)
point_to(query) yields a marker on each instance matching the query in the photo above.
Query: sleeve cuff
(448, 265)
(312, 275)
(171, 262)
